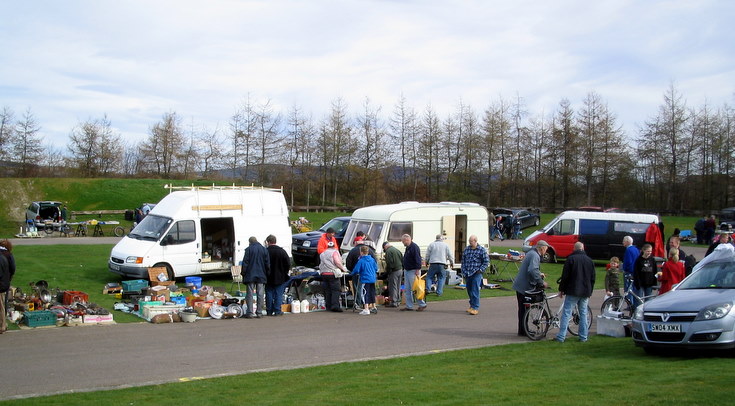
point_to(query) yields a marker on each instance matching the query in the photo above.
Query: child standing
(671, 273)
(367, 268)
(612, 277)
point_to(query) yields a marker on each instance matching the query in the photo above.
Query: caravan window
(564, 227)
(182, 232)
(371, 229)
(398, 229)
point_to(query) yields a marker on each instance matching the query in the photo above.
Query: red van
(602, 233)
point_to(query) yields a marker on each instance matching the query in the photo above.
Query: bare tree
(27, 148)
(369, 136)
(429, 150)
(7, 131)
(94, 148)
(403, 131)
(165, 146)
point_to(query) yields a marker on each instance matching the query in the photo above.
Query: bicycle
(538, 319)
(622, 304)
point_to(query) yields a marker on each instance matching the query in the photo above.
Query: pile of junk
(41, 306)
(162, 301)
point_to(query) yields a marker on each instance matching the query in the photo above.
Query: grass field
(602, 371)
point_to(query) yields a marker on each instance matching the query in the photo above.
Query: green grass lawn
(602, 371)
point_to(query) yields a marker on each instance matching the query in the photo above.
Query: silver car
(697, 313)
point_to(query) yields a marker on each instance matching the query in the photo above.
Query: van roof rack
(193, 187)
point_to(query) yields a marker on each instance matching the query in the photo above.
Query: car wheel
(536, 222)
(169, 270)
(549, 256)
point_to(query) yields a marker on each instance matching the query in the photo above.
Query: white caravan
(201, 230)
(423, 221)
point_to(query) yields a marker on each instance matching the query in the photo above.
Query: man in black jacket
(276, 277)
(577, 282)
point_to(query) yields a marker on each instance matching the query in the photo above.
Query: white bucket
(296, 307)
(304, 306)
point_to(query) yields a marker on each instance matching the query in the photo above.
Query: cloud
(136, 60)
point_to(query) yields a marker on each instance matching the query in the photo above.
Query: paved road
(87, 358)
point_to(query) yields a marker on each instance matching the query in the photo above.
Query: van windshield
(550, 224)
(151, 228)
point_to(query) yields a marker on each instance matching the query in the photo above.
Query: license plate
(664, 328)
(114, 267)
(294, 247)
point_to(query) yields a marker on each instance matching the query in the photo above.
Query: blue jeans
(566, 316)
(643, 292)
(498, 232)
(438, 271)
(358, 288)
(274, 298)
(408, 277)
(473, 283)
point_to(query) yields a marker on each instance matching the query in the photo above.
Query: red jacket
(671, 274)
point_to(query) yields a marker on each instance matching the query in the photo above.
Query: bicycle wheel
(536, 322)
(617, 304)
(65, 230)
(573, 326)
(119, 231)
(49, 229)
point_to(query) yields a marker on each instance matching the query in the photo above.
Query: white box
(611, 326)
(453, 278)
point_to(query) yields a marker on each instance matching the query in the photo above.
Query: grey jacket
(529, 274)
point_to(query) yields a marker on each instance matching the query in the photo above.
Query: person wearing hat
(529, 278)
(331, 270)
(393, 267)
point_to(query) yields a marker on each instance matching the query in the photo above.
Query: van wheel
(549, 256)
(169, 270)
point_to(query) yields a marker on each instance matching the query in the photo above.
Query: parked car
(41, 211)
(697, 313)
(528, 218)
(303, 245)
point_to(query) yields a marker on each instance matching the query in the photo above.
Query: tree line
(680, 159)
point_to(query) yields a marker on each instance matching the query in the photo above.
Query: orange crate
(72, 296)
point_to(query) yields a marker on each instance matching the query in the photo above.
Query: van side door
(596, 236)
(180, 248)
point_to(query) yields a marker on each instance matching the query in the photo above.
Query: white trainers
(364, 312)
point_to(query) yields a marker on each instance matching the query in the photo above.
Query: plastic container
(188, 316)
(178, 300)
(74, 296)
(296, 307)
(40, 318)
(194, 280)
(304, 306)
(134, 285)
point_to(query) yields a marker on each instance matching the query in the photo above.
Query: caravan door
(180, 248)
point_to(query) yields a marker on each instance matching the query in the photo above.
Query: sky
(134, 61)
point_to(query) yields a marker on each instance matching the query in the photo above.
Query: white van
(601, 232)
(201, 230)
(423, 221)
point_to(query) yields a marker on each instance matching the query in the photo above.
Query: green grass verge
(602, 371)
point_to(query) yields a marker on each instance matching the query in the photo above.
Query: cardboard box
(379, 299)
(286, 308)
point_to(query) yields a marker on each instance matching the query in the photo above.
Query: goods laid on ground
(161, 301)
(42, 307)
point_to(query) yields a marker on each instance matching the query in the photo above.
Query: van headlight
(638, 315)
(713, 312)
(307, 244)
(134, 260)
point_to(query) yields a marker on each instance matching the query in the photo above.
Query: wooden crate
(153, 273)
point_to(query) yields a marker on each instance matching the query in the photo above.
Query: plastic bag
(419, 288)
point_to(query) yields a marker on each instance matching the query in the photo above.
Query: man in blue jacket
(411, 271)
(255, 266)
